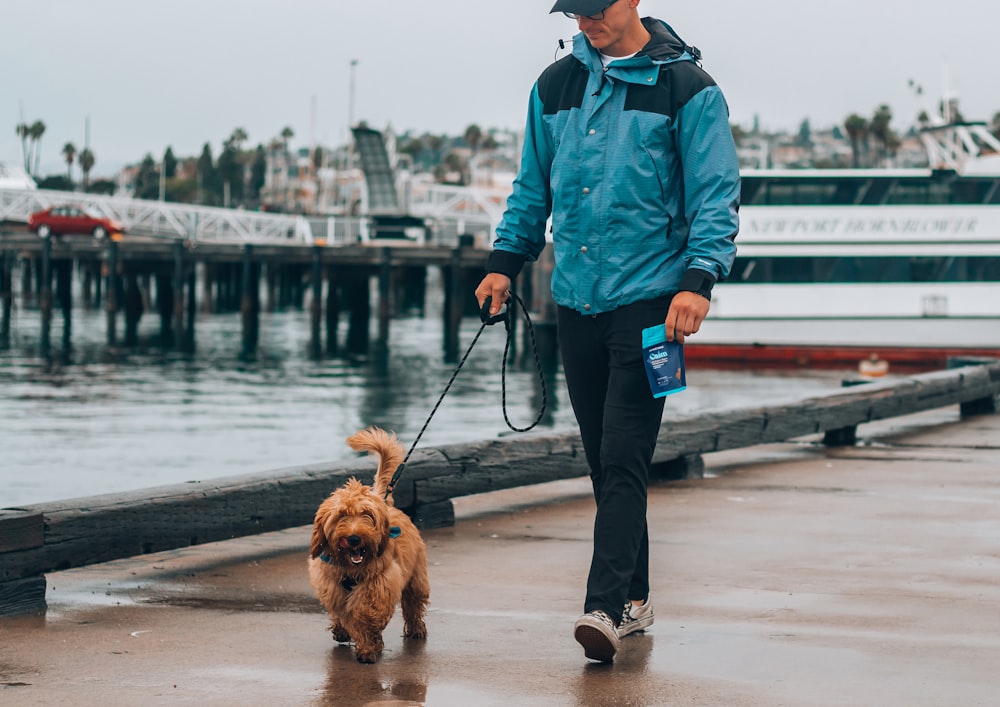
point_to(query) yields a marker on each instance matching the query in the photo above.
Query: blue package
(664, 362)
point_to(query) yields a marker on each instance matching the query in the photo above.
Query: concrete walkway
(793, 575)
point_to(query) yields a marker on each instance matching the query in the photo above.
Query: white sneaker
(597, 633)
(635, 618)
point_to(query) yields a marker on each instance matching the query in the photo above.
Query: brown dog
(367, 557)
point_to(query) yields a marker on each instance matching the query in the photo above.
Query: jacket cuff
(698, 281)
(505, 263)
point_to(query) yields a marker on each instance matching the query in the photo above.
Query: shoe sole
(596, 645)
(635, 626)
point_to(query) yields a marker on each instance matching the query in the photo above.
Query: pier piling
(177, 291)
(249, 301)
(316, 303)
(45, 293)
(181, 280)
(133, 306)
(64, 293)
(112, 290)
(385, 304)
(6, 296)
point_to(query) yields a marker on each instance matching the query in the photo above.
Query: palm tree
(169, 163)
(147, 179)
(23, 132)
(69, 154)
(237, 139)
(86, 161)
(286, 134)
(857, 130)
(880, 130)
(995, 124)
(35, 132)
(473, 136)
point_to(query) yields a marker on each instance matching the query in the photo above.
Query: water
(92, 421)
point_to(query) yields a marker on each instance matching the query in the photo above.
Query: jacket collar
(664, 47)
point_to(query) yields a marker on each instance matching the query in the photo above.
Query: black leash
(487, 320)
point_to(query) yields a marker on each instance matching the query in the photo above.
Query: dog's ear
(383, 532)
(319, 544)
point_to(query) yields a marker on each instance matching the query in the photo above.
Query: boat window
(985, 269)
(837, 190)
(781, 270)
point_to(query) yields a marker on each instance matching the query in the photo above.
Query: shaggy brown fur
(360, 565)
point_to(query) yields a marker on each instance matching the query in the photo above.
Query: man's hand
(687, 311)
(496, 286)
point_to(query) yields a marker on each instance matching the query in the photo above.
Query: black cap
(580, 7)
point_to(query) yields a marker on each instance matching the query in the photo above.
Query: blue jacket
(636, 166)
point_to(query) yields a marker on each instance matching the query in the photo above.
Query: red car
(72, 220)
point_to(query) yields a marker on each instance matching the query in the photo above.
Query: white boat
(842, 266)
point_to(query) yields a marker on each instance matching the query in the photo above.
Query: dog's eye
(370, 518)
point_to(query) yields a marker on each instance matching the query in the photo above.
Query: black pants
(619, 421)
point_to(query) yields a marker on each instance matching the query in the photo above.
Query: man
(628, 148)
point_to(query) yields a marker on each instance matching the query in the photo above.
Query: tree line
(237, 176)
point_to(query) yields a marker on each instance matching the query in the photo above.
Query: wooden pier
(177, 279)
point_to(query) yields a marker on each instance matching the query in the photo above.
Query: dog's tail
(375, 440)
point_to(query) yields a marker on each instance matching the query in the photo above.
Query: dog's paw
(340, 634)
(417, 630)
(370, 650)
(367, 657)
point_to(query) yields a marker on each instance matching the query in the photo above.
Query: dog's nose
(353, 540)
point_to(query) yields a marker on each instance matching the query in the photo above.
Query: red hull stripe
(732, 355)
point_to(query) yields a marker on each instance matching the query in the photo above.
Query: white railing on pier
(161, 218)
(470, 209)
(450, 211)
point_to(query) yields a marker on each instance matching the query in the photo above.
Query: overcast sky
(151, 74)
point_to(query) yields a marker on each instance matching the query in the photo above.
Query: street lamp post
(350, 116)
(350, 98)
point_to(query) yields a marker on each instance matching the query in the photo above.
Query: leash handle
(489, 320)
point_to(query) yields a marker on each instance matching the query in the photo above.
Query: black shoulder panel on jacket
(677, 84)
(561, 86)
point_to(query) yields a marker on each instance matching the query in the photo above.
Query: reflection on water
(351, 685)
(88, 420)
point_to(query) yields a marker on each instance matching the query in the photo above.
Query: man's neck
(634, 39)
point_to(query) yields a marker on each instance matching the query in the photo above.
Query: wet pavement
(791, 575)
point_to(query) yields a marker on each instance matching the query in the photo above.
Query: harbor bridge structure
(395, 206)
(447, 210)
